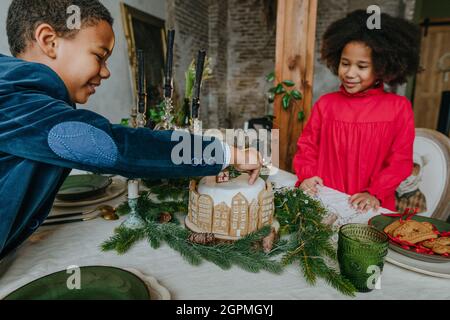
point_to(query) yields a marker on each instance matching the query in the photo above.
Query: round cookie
(439, 246)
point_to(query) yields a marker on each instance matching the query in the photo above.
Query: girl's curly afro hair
(395, 47)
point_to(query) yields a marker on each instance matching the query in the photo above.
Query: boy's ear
(47, 39)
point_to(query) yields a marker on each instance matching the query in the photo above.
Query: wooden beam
(296, 32)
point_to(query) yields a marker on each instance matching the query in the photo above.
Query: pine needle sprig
(249, 240)
(310, 240)
(174, 189)
(305, 240)
(123, 240)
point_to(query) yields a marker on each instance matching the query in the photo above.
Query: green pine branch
(307, 240)
(123, 240)
(301, 217)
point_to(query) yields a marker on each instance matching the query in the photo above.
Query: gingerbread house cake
(232, 209)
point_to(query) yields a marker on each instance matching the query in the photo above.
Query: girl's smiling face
(356, 70)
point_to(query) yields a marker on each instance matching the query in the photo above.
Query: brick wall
(328, 11)
(242, 48)
(251, 56)
(190, 19)
(218, 51)
(241, 44)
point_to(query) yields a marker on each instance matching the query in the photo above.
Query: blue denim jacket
(43, 136)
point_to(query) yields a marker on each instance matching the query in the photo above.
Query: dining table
(54, 248)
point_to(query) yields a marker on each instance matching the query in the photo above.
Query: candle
(198, 82)
(141, 71)
(133, 189)
(141, 81)
(169, 63)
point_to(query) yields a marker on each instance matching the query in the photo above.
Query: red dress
(359, 143)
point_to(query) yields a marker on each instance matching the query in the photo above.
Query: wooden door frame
(412, 84)
(295, 46)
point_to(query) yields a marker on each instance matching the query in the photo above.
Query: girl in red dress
(359, 140)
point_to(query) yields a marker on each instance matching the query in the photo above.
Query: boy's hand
(364, 202)
(310, 185)
(247, 160)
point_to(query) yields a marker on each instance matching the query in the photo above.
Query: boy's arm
(39, 128)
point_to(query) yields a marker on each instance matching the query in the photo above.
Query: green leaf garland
(304, 241)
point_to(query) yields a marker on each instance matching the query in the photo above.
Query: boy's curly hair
(395, 47)
(24, 16)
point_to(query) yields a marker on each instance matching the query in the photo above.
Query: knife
(53, 223)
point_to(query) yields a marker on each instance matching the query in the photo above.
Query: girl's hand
(364, 202)
(310, 185)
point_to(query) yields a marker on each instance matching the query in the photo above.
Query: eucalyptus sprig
(156, 113)
(190, 77)
(285, 90)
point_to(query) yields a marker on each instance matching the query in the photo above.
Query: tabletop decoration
(184, 116)
(195, 103)
(225, 255)
(304, 240)
(230, 209)
(134, 221)
(361, 251)
(139, 111)
(302, 221)
(167, 121)
(415, 236)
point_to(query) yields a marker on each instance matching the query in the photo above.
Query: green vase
(361, 253)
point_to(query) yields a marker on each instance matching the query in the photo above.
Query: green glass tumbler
(361, 253)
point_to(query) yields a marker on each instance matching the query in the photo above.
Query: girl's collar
(376, 90)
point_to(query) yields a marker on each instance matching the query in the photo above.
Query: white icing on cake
(224, 192)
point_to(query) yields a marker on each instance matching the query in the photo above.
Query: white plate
(157, 291)
(440, 270)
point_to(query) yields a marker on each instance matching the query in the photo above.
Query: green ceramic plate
(97, 283)
(381, 222)
(80, 187)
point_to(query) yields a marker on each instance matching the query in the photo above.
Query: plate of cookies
(417, 237)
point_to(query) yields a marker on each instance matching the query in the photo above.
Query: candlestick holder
(134, 220)
(167, 120)
(196, 126)
(141, 120)
(141, 108)
(133, 117)
(199, 68)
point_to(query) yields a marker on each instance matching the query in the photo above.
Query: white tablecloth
(56, 248)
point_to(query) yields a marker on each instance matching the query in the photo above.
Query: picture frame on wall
(148, 33)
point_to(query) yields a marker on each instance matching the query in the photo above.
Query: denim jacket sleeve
(37, 125)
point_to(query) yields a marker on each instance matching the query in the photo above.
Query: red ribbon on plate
(406, 216)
